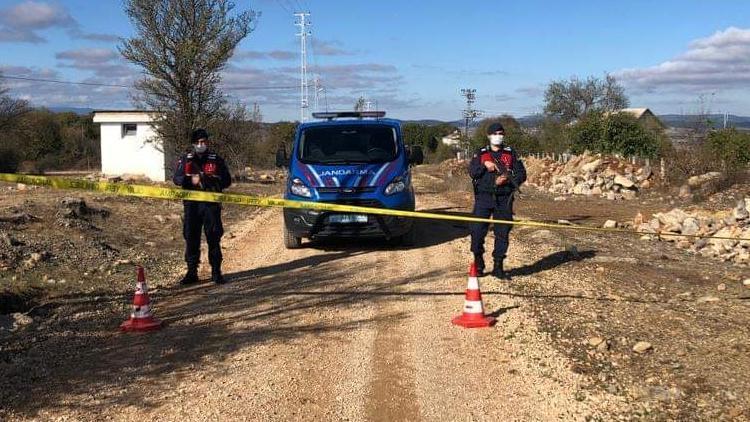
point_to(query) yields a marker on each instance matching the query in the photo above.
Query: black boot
(479, 262)
(191, 277)
(498, 271)
(216, 276)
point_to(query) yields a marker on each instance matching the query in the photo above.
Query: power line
(23, 78)
(286, 9)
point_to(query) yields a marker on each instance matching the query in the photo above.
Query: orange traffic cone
(142, 319)
(473, 315)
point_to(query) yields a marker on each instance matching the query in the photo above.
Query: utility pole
(469, 113)
(303, 33)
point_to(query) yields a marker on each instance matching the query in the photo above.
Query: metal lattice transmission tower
(469, 113)
(303, 24)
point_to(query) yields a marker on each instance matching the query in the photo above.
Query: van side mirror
(416, 156)
(281, 159)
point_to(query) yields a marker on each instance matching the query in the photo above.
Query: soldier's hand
(490, 166)
(501, 180)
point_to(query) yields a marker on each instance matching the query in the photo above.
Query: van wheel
(291, 241)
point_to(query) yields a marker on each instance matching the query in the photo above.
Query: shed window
(129, 129)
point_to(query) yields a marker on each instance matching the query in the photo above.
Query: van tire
(290, 240)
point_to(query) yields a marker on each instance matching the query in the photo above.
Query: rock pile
(732, 224)
(455, 167)
(589, 175)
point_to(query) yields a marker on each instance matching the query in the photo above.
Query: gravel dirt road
(333, 331)
(347, 331)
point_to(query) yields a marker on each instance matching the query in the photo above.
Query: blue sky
(412, 58)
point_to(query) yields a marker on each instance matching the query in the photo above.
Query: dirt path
(335, 331)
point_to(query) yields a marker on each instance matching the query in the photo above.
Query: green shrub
(730, 147)
(442, 152)
(618, 133)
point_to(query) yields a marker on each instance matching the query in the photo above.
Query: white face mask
(200, 148)
(497, 139)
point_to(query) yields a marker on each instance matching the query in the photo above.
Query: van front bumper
(316, 224)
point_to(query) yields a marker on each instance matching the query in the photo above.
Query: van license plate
(347, 218)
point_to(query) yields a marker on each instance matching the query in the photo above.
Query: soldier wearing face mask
(202, 169)
(496, 173)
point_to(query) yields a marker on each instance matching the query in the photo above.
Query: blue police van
(352, 158)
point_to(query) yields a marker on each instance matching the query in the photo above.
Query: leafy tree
(617, 133)
(553, 136)
(182, 46)
(40, 135)
(11, 109)
(427, 136)
(587, 134)
(572, 99)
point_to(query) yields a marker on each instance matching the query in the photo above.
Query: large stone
(642, 347)
(591, 167)
(698, 181)
(690, 226)
(624, 181)
(629, 194)
(721, 245)
(673, 217)
(610, 224)
(740, 212)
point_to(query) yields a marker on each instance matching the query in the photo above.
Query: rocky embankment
(733, 224)
(590, 175)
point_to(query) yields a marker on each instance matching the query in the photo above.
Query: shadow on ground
(428, 233)
(85, 356)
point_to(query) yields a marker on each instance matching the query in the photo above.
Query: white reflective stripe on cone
(473, 307)
(473, 283)
(141, 312)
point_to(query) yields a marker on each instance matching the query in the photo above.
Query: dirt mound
(454, 167)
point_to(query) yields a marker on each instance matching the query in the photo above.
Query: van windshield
(348, 144)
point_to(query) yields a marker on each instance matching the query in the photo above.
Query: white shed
(130, 144)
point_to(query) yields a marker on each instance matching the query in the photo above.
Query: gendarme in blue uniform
(214, 176)
(493, 200)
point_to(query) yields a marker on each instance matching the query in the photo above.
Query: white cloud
(21, 23)
(718, 62)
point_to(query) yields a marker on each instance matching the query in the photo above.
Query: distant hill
(75, 110)
(717, 120)
(671, 120)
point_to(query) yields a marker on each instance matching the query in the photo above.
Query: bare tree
(572, 99)
(11, 109)
(182, 46)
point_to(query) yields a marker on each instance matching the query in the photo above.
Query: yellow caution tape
(157, 192)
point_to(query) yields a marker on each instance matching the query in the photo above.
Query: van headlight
(396, 186)
(299, 188)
